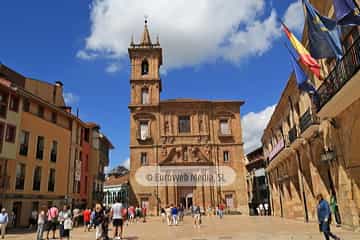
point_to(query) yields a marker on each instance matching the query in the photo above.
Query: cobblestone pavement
(229, 228)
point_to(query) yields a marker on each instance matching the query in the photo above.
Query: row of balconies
(306, 120)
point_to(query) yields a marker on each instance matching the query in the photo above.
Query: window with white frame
(144, 130)
(224, 127)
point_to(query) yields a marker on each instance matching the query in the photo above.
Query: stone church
(180, 132)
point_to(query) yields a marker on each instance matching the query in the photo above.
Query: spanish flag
(305, 57)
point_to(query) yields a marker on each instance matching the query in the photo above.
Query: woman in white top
(40, 224)
(65, 223)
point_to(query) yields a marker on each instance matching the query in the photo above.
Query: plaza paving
(231, 227)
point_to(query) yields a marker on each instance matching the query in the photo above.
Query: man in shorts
(116, 214)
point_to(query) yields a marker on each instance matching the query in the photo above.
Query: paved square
(231, 227)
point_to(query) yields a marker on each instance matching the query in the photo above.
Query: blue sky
(210, 54)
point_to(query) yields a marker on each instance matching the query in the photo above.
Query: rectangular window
(24, 143)
(2, 131)
(145, 96)
(224, 127)
(53, 117)
(20, 176)
(40, 147)
(40, 112)
(53, 153)
(26, 105)
(184, 124)
(10, 133)
(14, 103)
(144, 130)
(37, 179)
(3, 104)
(51, 182)
(226, 156)
(87, 135)
(143, 158)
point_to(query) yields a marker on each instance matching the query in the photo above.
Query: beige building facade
(312, 148)
(180, 132)
(47, 155)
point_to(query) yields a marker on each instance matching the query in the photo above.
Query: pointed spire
(157, 40)
(145, 40)
(132, 40)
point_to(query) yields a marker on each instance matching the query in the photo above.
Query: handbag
(68, 224)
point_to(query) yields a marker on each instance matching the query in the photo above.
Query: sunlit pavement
(230, 227)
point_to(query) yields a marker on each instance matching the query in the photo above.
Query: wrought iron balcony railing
(341, 74)
(306, 120)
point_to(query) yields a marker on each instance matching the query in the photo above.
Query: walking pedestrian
(116, 213)
(221, 210)
(324, 218)
(131, 211)
(197, 216)
(163, 215)
(143, 212)
(52, 216)
(86, 217)
(137, 213)
(168, 215)
(92, 217)
(65, 222)
(41, 221)
(4, 219)
(33, 219)
(98, 220)
(76, 216)
(105, 223)
(335, 209)
(174, 214)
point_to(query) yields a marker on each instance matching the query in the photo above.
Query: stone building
(180, 132)
(43, 146)
(313, 149)
(256, 180)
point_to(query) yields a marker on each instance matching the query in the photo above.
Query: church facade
(180, 132)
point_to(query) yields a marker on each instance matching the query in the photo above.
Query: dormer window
(144, 67)
(145, 96)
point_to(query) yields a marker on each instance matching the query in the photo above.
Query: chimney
(57, 93)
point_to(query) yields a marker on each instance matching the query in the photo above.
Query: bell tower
(146, 59)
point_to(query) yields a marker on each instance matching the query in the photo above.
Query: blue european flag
(347, 12)
(324, 40)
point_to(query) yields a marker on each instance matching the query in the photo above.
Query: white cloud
(294, 17)
(191, 32)
(253, 126)
(126, 163)
(113, 67)
(86, 55)
(71, 98)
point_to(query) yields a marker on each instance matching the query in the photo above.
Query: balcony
(292, 134)
(308, 124)
(340, 88)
